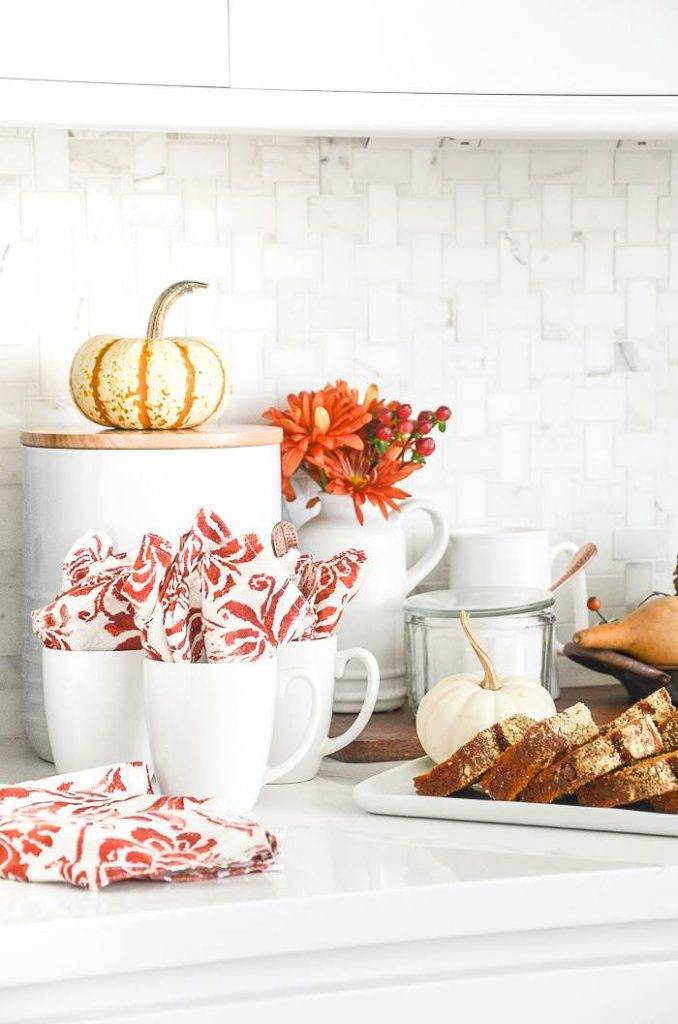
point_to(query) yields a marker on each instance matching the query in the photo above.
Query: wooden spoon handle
(579, 560)
(283, 538)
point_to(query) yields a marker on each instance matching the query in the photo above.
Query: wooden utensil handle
(580, 559)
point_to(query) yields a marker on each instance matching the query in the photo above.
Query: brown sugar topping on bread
(641, 781)
(669, 732)
(543, 744)
(601, 755)
(473, 759)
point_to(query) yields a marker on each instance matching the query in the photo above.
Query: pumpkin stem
(156, 321)
(489, 680)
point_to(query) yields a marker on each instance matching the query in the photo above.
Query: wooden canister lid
(223, 435)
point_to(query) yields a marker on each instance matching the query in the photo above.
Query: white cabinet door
(132, 41)
(585, 47)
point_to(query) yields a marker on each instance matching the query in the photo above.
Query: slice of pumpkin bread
(544, 743)
(658, 706)
(642, 781)
(667, 802)
(473, 759)
(598, 757)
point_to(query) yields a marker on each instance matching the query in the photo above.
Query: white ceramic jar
(128, 482)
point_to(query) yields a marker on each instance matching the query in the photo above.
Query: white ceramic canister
(128, 482)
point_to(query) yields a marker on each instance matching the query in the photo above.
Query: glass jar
(514, 626)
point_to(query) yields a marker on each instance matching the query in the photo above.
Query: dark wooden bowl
(639, 678)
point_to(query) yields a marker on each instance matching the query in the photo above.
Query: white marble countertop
(347, 879)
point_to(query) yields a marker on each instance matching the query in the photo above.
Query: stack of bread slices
(633, 759)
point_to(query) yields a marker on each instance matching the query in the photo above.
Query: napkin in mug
(337, 583)
(165, 591)
(250, 606)
(91, 555)
(92, 612)
(142, 589)
(181, 595)
(105, 825)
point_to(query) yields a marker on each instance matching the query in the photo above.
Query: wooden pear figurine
(650, 633)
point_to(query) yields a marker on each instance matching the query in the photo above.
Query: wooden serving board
(391, 735)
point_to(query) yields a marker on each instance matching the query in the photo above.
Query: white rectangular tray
(392, 792)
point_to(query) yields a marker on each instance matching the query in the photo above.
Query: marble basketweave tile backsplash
(532, 286)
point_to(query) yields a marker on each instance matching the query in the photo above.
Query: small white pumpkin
(460, 706)
(150, 383)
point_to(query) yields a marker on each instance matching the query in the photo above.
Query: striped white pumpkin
(150, 383)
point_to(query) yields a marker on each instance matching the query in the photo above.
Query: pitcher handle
(284, 678)
(334, 743)
(436, 548)
(579, 588)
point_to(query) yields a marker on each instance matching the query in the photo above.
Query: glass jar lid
(481, 602)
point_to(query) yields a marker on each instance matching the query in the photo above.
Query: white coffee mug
(210, 726)
(318, 658)
(512, 557)
(94, 703)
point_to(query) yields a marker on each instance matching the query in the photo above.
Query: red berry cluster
(394, 424)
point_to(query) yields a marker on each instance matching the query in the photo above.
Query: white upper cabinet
(147, 42)
(558, 47)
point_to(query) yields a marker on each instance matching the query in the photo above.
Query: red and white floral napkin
(218, 596)
(164, 590)
(338, 582)
(328, 584)
(182, 594)
(92, 612)
(142, 590)
(250, 605)
(105, 825)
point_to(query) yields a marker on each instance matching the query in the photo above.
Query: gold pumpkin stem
(156, 321)
(489, 680)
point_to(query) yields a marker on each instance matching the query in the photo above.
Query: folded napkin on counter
(92, 612)
(250, 605)
(105, 825)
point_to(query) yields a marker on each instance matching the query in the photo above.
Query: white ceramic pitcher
(512, 557)
(374, 618)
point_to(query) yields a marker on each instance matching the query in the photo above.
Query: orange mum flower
(352, 475)
(317, 422)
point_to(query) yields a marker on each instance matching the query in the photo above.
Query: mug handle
(334, 743)
(436, 548)
(579, 588)
(284, 678)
